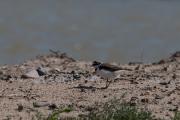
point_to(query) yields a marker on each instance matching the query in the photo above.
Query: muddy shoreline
(56, 80)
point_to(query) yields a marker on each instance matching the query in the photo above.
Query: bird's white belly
(105, 74)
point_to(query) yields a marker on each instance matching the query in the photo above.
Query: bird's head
(96, 64)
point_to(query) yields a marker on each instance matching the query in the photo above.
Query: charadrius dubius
(106, 71)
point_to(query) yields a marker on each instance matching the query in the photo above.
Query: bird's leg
(107, 83)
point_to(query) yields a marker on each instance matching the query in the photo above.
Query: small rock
(169, 102)
(41, 71)
(5, 77)
(158, 97)
(41, 104)
(145, 100)
(105, 96)
(55, 71)
(20, 107)
(75, 75)
(133, 101)
(1, 73)
(31, 74)
(52, 106)
(174, 108)
(176, 54)
(170, 68)
(174, 76)
(165, 82)
(161, 62)
(133, 82)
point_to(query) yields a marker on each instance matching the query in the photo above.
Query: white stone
(32, 74)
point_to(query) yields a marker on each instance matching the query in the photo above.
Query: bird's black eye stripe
(99, 67)
(95, 63)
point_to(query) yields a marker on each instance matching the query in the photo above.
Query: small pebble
(20, 107)
(41, 104)
(41, 71)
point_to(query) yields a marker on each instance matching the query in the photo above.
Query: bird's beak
(94, 72)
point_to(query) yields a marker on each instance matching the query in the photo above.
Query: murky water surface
(107, 30)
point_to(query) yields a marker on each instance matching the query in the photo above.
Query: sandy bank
(67, 82)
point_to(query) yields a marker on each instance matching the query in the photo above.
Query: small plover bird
(106, 71)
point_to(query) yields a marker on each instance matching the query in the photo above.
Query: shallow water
(116, 30)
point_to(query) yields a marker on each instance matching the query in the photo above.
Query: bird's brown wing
(110, 67)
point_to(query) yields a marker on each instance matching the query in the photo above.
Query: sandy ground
(66, 82)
